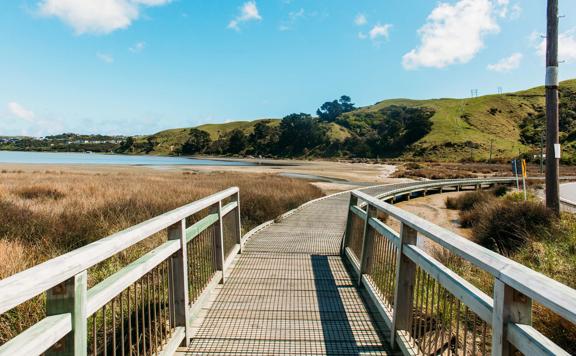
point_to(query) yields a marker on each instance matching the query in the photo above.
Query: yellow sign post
(524, 175)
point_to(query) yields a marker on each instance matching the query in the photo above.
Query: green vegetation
(491, 127)
(494, 126)
(67, 142)
(530, 234)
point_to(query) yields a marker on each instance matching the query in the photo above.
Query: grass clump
(468, 201)
(40, 192)
(507, 226)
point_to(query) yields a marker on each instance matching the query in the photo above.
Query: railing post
(70, 297)
(509, 306)
(218, 242)
(238, 222)
(180, 270)
(405, 279)
(367, 244)
(353, 202)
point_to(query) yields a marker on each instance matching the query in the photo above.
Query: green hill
(460, 128)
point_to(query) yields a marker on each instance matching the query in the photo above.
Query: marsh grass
(46, 214)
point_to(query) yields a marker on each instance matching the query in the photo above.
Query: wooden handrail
(70, 302)
(558, 297)
(514, 283)
(25, 285)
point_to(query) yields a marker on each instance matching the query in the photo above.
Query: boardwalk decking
(289, 293)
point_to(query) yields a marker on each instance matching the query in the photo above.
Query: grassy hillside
(247, 126)
(461, 128)
(459, 124)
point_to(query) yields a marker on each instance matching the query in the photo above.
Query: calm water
(94, 158)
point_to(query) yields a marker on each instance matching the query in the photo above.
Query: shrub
(466, 202)
(500, 190)
(506, 226)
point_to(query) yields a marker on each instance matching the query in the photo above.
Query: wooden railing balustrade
(146, 307)
(428, 307)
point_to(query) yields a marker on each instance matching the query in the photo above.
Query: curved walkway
(290, 294)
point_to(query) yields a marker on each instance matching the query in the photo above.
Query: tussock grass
(530, 234)
(468, 201)
(46, 214)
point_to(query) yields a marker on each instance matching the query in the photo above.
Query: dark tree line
(384, 132)
(532, 127)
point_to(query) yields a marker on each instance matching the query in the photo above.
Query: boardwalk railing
(428, 307)
(146, 307)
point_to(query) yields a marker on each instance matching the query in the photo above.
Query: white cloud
(248, 12)
(454, 33)
(360, 20)
(380, 31)
(293, 17)
(96, 16)
(138, 47)
(506, 64)
(20, 111)
(105, 57)
(566, 45)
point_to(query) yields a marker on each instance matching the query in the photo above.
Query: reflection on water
(107, 159)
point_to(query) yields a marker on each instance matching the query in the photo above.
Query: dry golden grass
(45, 214)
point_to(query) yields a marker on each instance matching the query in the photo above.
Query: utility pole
(542, 152)
(491, 144)
(552, 118)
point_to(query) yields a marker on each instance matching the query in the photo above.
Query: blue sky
(138, 66)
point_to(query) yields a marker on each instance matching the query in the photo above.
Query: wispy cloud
(380, 31)
(293, 17)
(566, 45)
(20, 111)
(454, 33)
(137, 47)
(105, 57)
(360, 20)
(506, 64)
(96, 16)
(248, 12)
(377, 33)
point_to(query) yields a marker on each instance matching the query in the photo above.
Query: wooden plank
(367, 244)
(178, 336)
(25, 285)
(70, 297)
(351, 204)
(380, 306)
(385, 231)
(109, 288)
(238, 222)
(558, 297)
(359, 212)
(530, 341)
(200, 225)
(179, 260)
(510, 306)
(231, 257)
(39, 337)
(218, 241)
(349, 254)
(405, 278)
(474, 298)
(228, 208)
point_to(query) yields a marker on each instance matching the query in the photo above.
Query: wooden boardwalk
(289, 293)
